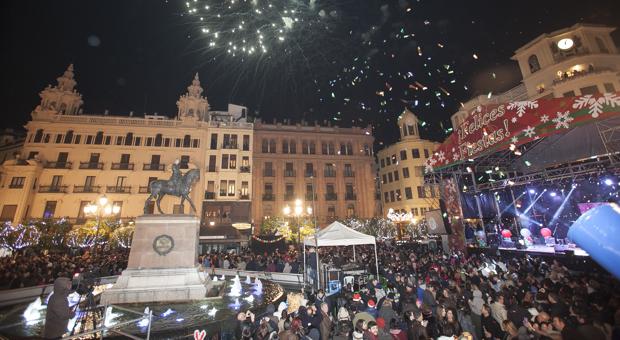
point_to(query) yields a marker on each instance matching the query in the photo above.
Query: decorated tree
(18, 237)
(121, 237)
(271, 225)
(377, 227)
(53, 233)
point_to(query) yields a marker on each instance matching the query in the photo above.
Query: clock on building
(565, 44)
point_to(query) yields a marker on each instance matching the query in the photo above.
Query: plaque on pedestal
(162, 262)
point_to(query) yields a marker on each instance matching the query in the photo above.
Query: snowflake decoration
(522, 106)
(429, 165)
(514, 119)
(529, 131)
(595, 105)
(455, 157)
(544, 118)
(562, 120)
(441, 156)
(453, 150)
(514, 140)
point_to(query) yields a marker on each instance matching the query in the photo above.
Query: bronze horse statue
(160, 188)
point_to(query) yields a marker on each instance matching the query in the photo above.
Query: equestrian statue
(179, 185)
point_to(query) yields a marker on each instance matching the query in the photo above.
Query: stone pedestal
(162, 262)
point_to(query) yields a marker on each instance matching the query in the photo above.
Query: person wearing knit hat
(358, 304)
(372, 308)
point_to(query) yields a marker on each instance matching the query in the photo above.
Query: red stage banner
(491, 128)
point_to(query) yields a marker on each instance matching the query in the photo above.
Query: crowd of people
(34, 268)
(425, 294)
(287, 261)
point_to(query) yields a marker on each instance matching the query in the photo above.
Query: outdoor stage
(539, 249)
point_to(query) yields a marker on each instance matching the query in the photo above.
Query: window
(415, 153)
(382, 163)
(408, 193)
(33, 154)
(328, 148)
(331, 212)
(89, 183)
(292, 147)
(224, 161)
(125, 160)
(405, 172)
(69, 137)
(212, 161)
(155, 159)
(108, 140)
(183, 164)
(414, 211)
(398, 196)
(119, 140)
(56, 181)
(367, 151)
(387, 161)
(346, 149)
(350, 210)
(17, 182)
(348, 192)
(149, 141)
(158, 139)
(177, 142)
(309, 170)
(425, 153)
(330, 170)
(213, 145)
(569, 94)
(246, 142)
(348, 170)
(195, 143)
(288, 170)
(58, 138)
(384, 177)
(231, 188)
(129, 138)
(245, 193)
(137, 141)
(390, 177)
(245, 161)
(99, 138)
(187, 140)
(589, 90)
(268, 188)
(38, 136)
(330, 189)
(81, 216)
(272, 146)
(386, 197)
(308, 147)
(601, 45)
(223, 187)
(61, 161)
(392, 197)
(403, 155)
(167, 142)
(609, 87)
(284, 146)
(8, 212)
(396, 177)
(289, 191)
(233, 162)
(50, 209)
(533, 63)
(120, 181)
(421, 193)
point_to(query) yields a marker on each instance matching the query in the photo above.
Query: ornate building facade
(574, 61)
(69, 159)
(401, 171)
(327, 167)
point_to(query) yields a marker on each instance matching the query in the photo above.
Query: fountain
(258, 286)
(248, 280)
(144, 322)
(32, 313)
(235, 290)
(110, 316)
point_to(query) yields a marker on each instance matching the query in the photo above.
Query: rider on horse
(175, 179)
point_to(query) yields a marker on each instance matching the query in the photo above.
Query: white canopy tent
(338, 234)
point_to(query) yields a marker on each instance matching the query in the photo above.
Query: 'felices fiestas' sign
(492, 127)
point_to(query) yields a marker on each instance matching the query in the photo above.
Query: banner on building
(491, 128)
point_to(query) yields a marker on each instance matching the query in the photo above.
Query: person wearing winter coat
(476, 309)
(326, 322)
(58, 311)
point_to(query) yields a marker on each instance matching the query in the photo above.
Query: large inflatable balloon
(545, 232)
(506, 233)
(525, 232)
(598, 232)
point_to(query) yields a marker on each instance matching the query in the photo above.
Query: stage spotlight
(609, 182)
(532, 191)
(511, 182)
(468, 169)
(552, 194)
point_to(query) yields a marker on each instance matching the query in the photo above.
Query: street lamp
(400, 219)
(100, 209)
(297, 211)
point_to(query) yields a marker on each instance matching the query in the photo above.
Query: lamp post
(100, 209)
(297, 211)
(400, 219)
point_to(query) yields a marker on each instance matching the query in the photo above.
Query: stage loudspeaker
(437, 220)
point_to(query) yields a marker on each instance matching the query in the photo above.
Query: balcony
(332, 196)
(310, 197)
(269, 173)
(86, 188)
(350, 197)
(91, 165)
(144, 190)
(574, 74)
(244, 196)
(289, 197)
(349, 173)
(114, 189)
(16, 186)
(122, 166)
(209, 195)
(58, 189)
(154, 167)
(309, 173)
(58, 165)
(329, 173)
(230, 146)
(269, 197)
(244, 169)
(289, 173)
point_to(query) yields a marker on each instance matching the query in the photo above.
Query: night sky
(346, 62)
